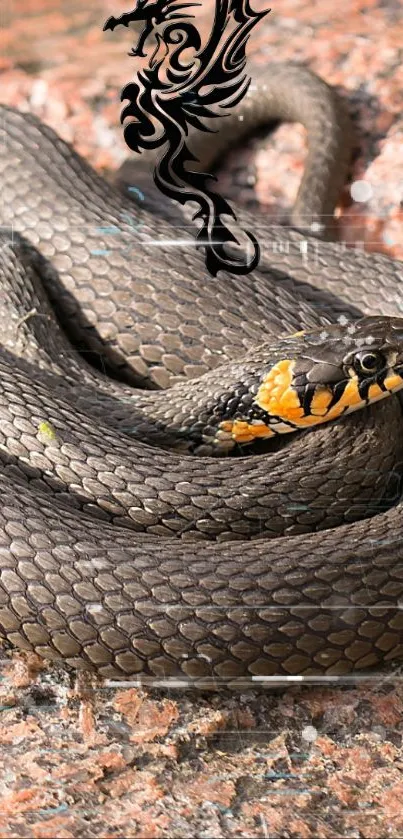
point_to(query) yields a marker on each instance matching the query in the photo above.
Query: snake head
(313, 377)
(333, 371)
(299, 382)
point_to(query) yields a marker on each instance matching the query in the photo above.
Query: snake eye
(369, 363)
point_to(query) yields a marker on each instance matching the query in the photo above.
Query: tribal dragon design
(183, 94)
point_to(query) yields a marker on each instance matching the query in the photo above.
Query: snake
(189, 494)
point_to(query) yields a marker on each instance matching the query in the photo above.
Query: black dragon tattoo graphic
(174, 92)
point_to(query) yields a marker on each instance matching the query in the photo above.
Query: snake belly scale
(126, 555)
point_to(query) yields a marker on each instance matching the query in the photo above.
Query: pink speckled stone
(115, 762)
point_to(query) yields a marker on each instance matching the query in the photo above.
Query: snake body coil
(278, 569)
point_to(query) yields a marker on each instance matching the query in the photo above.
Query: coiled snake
(278, 569)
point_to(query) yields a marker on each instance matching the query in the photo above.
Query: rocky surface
(83, 759)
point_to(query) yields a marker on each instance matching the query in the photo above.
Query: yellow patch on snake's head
(280, 396)
(241, 431)
(276, 394)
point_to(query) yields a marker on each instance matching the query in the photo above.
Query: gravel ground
(85, 759)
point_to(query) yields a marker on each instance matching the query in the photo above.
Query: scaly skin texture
(90, 569)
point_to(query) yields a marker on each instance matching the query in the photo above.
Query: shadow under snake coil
(121, 551)
(214, 75)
